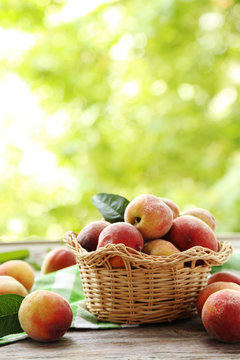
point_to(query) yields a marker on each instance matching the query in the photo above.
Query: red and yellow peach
(221, 315)
(19, 270)
(150, 215)
(202, 214)
(57, 259)
(161, 247)
(120, 233)
(188, 231)
(212, 288)
(9, 285)
(88, 236)
(224, 276)
(172, 206)
(45, 315)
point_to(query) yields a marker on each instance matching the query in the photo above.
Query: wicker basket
(150, 289)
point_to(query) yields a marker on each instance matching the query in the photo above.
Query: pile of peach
(218, 305)
(43, 315)
(154, 226)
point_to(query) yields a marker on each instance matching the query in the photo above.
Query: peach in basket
(149, 289)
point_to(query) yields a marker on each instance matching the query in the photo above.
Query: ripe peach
(224, 276)
(172, 206)
(88, 236)
(20, 270)
(203, 215)
(221, 315)
(9, 285)
(150, 215)
(188, 231)
(45, 315)
(160, 247)
(123, 233)
(212, 288)
(57, 259)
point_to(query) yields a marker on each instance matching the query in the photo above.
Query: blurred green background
(121, 97)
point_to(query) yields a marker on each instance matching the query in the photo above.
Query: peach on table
(45, 315)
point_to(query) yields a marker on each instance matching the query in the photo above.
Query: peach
(123, 233)
(88, 236)
(57, 259)
(172, 206)
(160, 247)
(150, 215)
(221, 315)
(203, 215)
(9, 285)
(224, 276)
(188, 231)
(45, 315)
(212, 288)
(19, 270)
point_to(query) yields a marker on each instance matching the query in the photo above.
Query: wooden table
(182, 339)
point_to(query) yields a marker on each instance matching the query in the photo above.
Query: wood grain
(184, 339)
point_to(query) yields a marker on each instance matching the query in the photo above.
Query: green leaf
(111, 206)
(9, 306)
(14, 255)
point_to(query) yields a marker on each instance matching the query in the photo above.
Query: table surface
(185, 339)
(181, 339)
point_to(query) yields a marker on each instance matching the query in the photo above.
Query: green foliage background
(150, 97)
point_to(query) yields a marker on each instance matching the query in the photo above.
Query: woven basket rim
(100, 256)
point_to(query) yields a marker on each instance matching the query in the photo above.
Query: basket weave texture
(150, 289)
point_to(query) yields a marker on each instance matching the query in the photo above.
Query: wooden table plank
(185, 339)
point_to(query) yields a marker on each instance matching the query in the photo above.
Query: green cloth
(66, 282)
